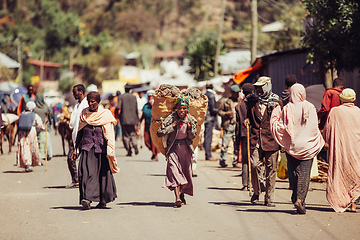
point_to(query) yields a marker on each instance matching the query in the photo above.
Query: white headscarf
(30, 106)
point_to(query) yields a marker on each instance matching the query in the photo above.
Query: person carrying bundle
(180, 129)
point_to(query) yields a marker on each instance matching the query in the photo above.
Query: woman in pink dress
(180, 130)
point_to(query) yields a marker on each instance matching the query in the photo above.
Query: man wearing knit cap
(228, 123)
(342, 137)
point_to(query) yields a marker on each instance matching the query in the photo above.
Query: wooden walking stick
(46, 143)
(248, 154)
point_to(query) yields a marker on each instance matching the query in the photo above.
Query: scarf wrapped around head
(295, 127)
(297, 104)
(39, 100)
(183, 101)
(268, 98)
(348, 95)
(105, 119)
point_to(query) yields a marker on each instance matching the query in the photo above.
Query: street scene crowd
(265, 129)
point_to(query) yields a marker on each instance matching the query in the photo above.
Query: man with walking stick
(241, 134)
(264, 149)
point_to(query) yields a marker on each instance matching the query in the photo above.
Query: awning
(241, 76)
(7, 62)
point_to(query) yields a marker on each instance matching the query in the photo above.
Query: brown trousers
(269, 159)
(149, 144)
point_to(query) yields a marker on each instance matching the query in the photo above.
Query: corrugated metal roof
(280, 64)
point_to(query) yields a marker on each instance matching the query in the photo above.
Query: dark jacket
(166, 128)
(127, 105)
(260, 127)
(91, 136)
(240, 129)
(224, 107)
(212, 110)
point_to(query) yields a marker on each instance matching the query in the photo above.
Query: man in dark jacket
(285, 97)
(210, 119)
(240, 134)
(129, 118)
(228, 120)
(264, 149)
(289, 81)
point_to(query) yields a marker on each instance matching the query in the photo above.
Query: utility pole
(42, 67)
(19, 55)
(218, 44)
(254, 30)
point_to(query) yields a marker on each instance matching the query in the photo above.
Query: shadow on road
(20, 171)
(224, 188)
(55, 187)
(234, 204)
(148, 161)
(155, 204)
(156, 175)
(291, 212)
(228, 169)
(283, 188)
(319, 209)
(78, 208)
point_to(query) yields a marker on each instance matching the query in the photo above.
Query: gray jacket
(166, 128)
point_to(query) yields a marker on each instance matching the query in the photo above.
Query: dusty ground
(37, 206)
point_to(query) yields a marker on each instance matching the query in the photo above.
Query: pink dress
(179, 164)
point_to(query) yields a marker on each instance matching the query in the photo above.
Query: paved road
(37, 206)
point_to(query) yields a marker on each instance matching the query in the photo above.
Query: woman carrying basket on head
(180, 130)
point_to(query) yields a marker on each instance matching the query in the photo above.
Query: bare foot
(353, 208)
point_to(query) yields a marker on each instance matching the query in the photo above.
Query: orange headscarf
(105, 119)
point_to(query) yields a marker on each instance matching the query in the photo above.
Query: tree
(333, 34)
(201, 52)
(138, 23)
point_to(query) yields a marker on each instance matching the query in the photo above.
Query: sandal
(178, 203)
(86, 204)
(182, 198)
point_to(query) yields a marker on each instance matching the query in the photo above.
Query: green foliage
(66, 84)
(138, 23)
(333, 36)
(28, 72)
(201, 51)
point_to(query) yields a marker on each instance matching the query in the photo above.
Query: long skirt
(96, 182)
(28, 149)
(300, 170)
(42, 144)
(179, 169)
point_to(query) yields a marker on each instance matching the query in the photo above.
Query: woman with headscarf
(96, 140)
(46, 114)
(180, 130)
(342, 135)
(28, 154)
(295, 129)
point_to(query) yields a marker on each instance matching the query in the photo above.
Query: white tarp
(7, 62)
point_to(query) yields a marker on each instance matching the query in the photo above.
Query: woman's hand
(73, 155)
(175, 123)
(190, 123)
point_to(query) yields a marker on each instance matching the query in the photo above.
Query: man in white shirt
(81, 104)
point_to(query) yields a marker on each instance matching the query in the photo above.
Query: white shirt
(75, 117)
